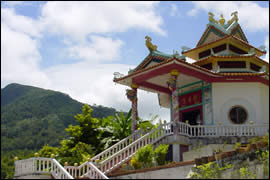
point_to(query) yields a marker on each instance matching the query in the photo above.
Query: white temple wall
(265, 102)
(252, 96)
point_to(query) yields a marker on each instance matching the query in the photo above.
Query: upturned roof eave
(224, 38)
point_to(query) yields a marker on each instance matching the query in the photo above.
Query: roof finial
(149, 44)
(234, 18)
(221, 20)
(211, 17)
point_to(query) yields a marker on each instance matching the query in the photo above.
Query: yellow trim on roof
(194, 53)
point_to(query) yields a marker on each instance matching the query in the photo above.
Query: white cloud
(93, 83)
(100, 49)
(20, 23)
(174, 10)
(148, 106)
(20, 58)
(78, 19)
(251, 16)
(84, 38)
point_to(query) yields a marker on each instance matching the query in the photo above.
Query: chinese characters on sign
(190, 99)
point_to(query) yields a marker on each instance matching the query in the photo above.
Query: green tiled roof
(226, 28)
(158, 53)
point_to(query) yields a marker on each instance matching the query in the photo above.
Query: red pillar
(175, 104)
(132, 96)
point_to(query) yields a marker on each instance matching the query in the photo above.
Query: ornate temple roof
(157, 56)
(243, 56)
(220, 41)
(153, 72)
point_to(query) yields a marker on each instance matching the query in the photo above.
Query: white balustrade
(118, 146)
(122, 151)
(87, 169)
(58, 171)
(126, 153)
(41, 166)
(221, 130)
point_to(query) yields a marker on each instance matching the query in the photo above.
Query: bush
(135, 163)
(143, 156)
(160, 154)
(47, 150)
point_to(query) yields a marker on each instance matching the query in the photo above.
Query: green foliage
(42, 114)
(77, 154)
(7, 161)
(237, 145)
(160, 154)
(148, 124)
(115, 128)
(47, 150)
(263, 157)
(246, 173)
(33, 117)
(86, 131)
(210, 170)
(135, 163)
(144, 156)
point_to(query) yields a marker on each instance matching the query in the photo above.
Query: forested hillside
(32, 117)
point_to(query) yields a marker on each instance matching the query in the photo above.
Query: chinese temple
(222, 97)
(227, 85)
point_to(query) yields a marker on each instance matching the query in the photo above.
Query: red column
(132, 96)
(172, 86)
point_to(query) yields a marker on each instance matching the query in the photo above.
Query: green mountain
(32, 117)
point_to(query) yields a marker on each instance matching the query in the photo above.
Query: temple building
(220, 99)
(226, 86)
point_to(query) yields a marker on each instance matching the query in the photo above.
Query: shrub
(237, 145)
(135, 163)
(160, 154)
(144, 155)
(47, 150)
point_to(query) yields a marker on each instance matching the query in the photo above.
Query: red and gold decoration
(172, 86)
(190, 99)
(132, 96)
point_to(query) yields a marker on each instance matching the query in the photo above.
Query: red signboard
(190, 99)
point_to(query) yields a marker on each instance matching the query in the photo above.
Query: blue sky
(74, 47)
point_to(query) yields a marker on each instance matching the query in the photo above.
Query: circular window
(238, 115)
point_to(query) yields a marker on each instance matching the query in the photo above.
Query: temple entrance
(194, 116)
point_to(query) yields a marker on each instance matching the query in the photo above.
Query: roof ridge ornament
(221, 20)
(262, 48)
(185, 48)
(234, 18)
(211, 17)
(175, 53)
(151, 47)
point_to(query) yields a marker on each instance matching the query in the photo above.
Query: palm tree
(117, 127)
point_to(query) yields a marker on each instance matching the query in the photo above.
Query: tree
(115, 128)
(83, 137)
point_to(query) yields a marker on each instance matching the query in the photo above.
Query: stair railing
(59, 172)
(41, 166)
(83, 169)
(118, 146)
(95, 173)
(87, 169)
(126, 153)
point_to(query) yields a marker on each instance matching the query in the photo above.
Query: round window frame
(229, 112)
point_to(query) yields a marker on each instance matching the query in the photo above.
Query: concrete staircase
(98, 166)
